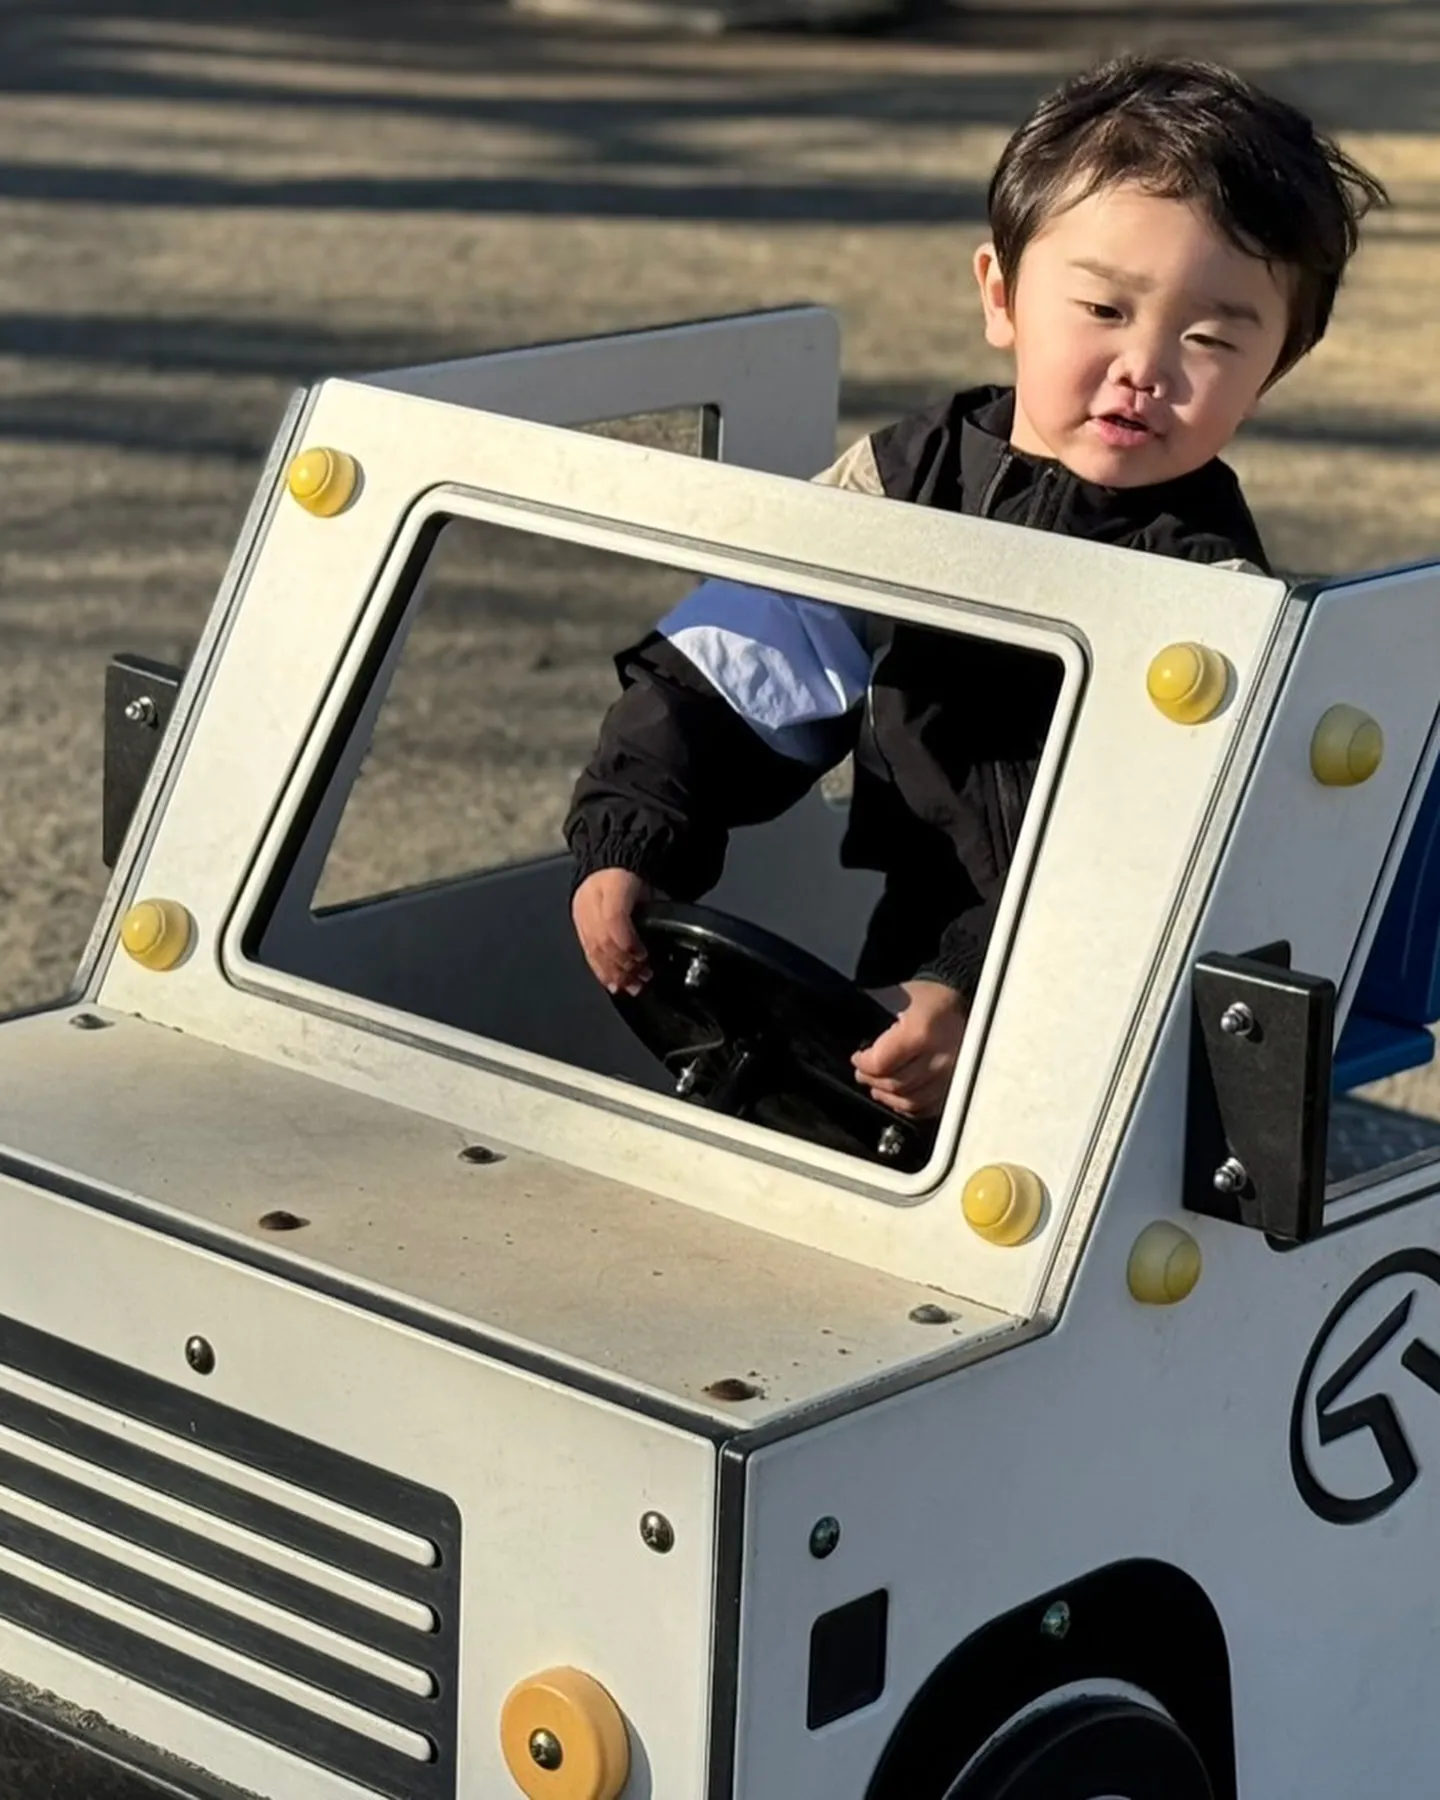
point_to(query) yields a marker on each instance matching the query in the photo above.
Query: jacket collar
(1208, 500)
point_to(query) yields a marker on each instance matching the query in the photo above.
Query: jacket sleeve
(729, 712)
(960, 954)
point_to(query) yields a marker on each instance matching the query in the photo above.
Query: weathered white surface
(660, 1295)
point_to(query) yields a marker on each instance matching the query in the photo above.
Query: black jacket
(946, 731)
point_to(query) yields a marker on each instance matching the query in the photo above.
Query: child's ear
(999, 327)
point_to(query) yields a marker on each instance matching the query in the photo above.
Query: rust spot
(281, 1221)
(731, 1387)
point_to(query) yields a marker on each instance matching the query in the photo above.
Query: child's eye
(1097, 309)
(1209, 343)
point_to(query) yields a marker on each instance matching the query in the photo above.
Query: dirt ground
(206, 202)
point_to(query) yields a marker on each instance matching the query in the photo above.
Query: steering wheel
(751, 1025)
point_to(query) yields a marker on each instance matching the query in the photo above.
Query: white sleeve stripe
(781, 662)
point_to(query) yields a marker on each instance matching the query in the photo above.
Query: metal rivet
(892, 1142)
(281, 1221)
(546, 1750)
(200, 1355)
(699, 971)
(931, 1315)
(657, 1533)
(480, 1153)
(1056, 1622)
(689, 1075)
(824, 1536)
(90, 1022)
(142, 710)
(1231, 1176)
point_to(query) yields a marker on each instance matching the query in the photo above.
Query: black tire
(1089, 1750)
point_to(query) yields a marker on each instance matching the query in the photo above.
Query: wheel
(751, 1025)
(1095, 1749)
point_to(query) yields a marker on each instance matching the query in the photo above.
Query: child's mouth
(1122, 430)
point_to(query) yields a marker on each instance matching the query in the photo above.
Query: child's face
(1142, 337)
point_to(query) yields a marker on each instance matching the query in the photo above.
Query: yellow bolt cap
(1347, 748)
(584, 1734)
(1164, 1264)
(1003, 1202)
(157, 933)
(323, 481)
(1188, 682)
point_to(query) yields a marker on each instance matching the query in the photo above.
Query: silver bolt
(1237, 1020)
(699, 971)
(1231, 1176)
(688, 1076)
(892, 1142)
(200, 1355)
(657, 1533)
(824, 1536)
(546, 1750)
(142, 710)
(1056, 1622)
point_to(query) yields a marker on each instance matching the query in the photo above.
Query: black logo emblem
(1344, 1404)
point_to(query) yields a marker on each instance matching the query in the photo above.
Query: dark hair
(1187, 130)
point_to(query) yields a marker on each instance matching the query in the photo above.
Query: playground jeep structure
(415, 1382)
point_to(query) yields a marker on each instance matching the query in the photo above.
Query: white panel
(1135, 784)
(1128, 1431)
(550, 1486)
(773, 376)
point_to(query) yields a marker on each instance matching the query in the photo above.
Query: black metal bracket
(1258, 1114)
(139, 699)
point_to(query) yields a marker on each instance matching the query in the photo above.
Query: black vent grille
(304, 1597)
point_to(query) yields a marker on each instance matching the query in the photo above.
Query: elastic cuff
(617, 850)
(955, 967)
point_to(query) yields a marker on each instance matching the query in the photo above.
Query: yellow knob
(1003, 1202)
(323, 481)
(1347, 748)
(1164, 1264)
(157, 933)
(1188, 682)
(564, 1738)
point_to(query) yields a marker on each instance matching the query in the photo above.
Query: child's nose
(1141, 365)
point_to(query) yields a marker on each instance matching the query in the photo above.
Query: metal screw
(657, 1533)
(1231, 1176)
(824, 1536)
(699, 971)
(480, 1153)
(281, 1221)
(89, 1022)
(546, 1749)
(1237, 1020)
(689, 1075)
(1056, 1622)
(200, 1355)
(892, 1142)
(142, 710)
(931, 1315)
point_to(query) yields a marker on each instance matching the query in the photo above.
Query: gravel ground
(204, 202)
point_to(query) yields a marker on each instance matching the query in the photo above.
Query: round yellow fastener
(564, 1738)
(1347, 748)
(1164, 1264)
(157, 933)
(1003, 1202)
(323, 481)
(1188, 682)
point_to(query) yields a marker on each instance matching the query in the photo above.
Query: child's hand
(908, 1067)
(602, 909)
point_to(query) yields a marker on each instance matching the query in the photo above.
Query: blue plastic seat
(1399, 993)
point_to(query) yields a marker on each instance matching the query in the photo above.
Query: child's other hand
(602, 910)
(908, 1067)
